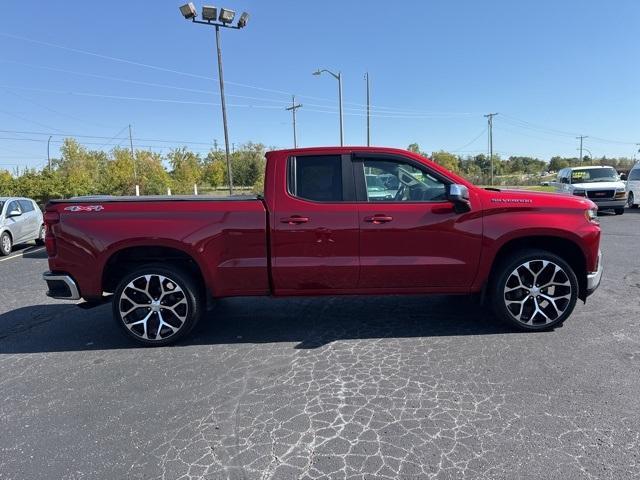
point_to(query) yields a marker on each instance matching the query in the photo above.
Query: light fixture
(226, 15)
(244, 18)
(188, 10)
(317, 72)
(209, 13)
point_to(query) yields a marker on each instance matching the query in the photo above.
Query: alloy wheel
(6, 244)
(537, 292)
(153, 307)
(630, 200)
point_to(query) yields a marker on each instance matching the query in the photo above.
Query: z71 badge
(84, 208)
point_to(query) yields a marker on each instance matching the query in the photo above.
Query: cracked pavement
(309, 388)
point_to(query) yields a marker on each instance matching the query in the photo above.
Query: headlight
(620, 193)
(580, 193)
(592, 215)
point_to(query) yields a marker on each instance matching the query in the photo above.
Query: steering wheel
(400, 193)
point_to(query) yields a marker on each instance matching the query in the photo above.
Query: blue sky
(553, 70)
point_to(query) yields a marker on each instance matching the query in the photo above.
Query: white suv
(600, 184)
(633, 187)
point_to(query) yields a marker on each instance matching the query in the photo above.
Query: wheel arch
(565, 248)
(126, 259)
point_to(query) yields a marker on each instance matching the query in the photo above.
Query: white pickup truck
(600, 184)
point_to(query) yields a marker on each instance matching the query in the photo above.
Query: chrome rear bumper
(61, 286)
(594, 278)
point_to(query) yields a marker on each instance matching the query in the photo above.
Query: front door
(410, 236)
(315, 226)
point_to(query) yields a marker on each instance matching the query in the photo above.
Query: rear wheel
(631, 200)
(618, 211)
(158, 305)
(6, 244)
(534, 290)
(40, 239)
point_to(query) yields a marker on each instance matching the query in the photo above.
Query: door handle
(294, 220)
(377, 219)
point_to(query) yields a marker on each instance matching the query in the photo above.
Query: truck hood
(598, 185)
(531, 199)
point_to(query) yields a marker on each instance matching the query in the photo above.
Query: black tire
(6, 244)
(618, 211)
(630, 201)
(178, 285)
(40, 239)
(525, 301)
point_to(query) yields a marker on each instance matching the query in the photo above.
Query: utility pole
(366, 76)
(293, 109)
(489, 117)
(48, 152)
(133, 159)
(581, 137)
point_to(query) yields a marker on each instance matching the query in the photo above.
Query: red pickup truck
(332, 221)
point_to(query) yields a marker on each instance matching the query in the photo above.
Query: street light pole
(225, 19)
(366, 75)
(337, 76)
(224, 111)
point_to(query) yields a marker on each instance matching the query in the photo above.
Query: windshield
(589, 175)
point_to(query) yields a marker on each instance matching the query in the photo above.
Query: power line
(470, 142)
(177, 72)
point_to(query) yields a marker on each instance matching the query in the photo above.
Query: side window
(317, 178)
(634, 174)
(397, 181)
(25, 206)
(13, 206)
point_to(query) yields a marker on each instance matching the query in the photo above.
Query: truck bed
(225, 236)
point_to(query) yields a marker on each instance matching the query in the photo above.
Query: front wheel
(534, 290)
(6, 244)
(158, 305)
(618, 211)
(631, 200)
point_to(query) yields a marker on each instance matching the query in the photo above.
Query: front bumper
(594, 278)
(605, 204)
(61, 286)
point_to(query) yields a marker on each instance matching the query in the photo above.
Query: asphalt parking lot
(392, 387)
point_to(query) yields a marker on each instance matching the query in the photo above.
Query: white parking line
(21, 254)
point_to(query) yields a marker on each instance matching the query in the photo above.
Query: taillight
(51, 217)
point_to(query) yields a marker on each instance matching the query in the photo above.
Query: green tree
(187, 170)
(7, 184)
(447, 160)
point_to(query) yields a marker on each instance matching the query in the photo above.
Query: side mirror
(14, 213)
(564, 180)
(623, 177)
(459, 196)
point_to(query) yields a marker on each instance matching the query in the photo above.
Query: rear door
(410, 236)
(30, 220)
(315, 225)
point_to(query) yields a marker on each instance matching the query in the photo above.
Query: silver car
(20, 222)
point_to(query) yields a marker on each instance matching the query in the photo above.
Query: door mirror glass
(564, 180)
(459, 196)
